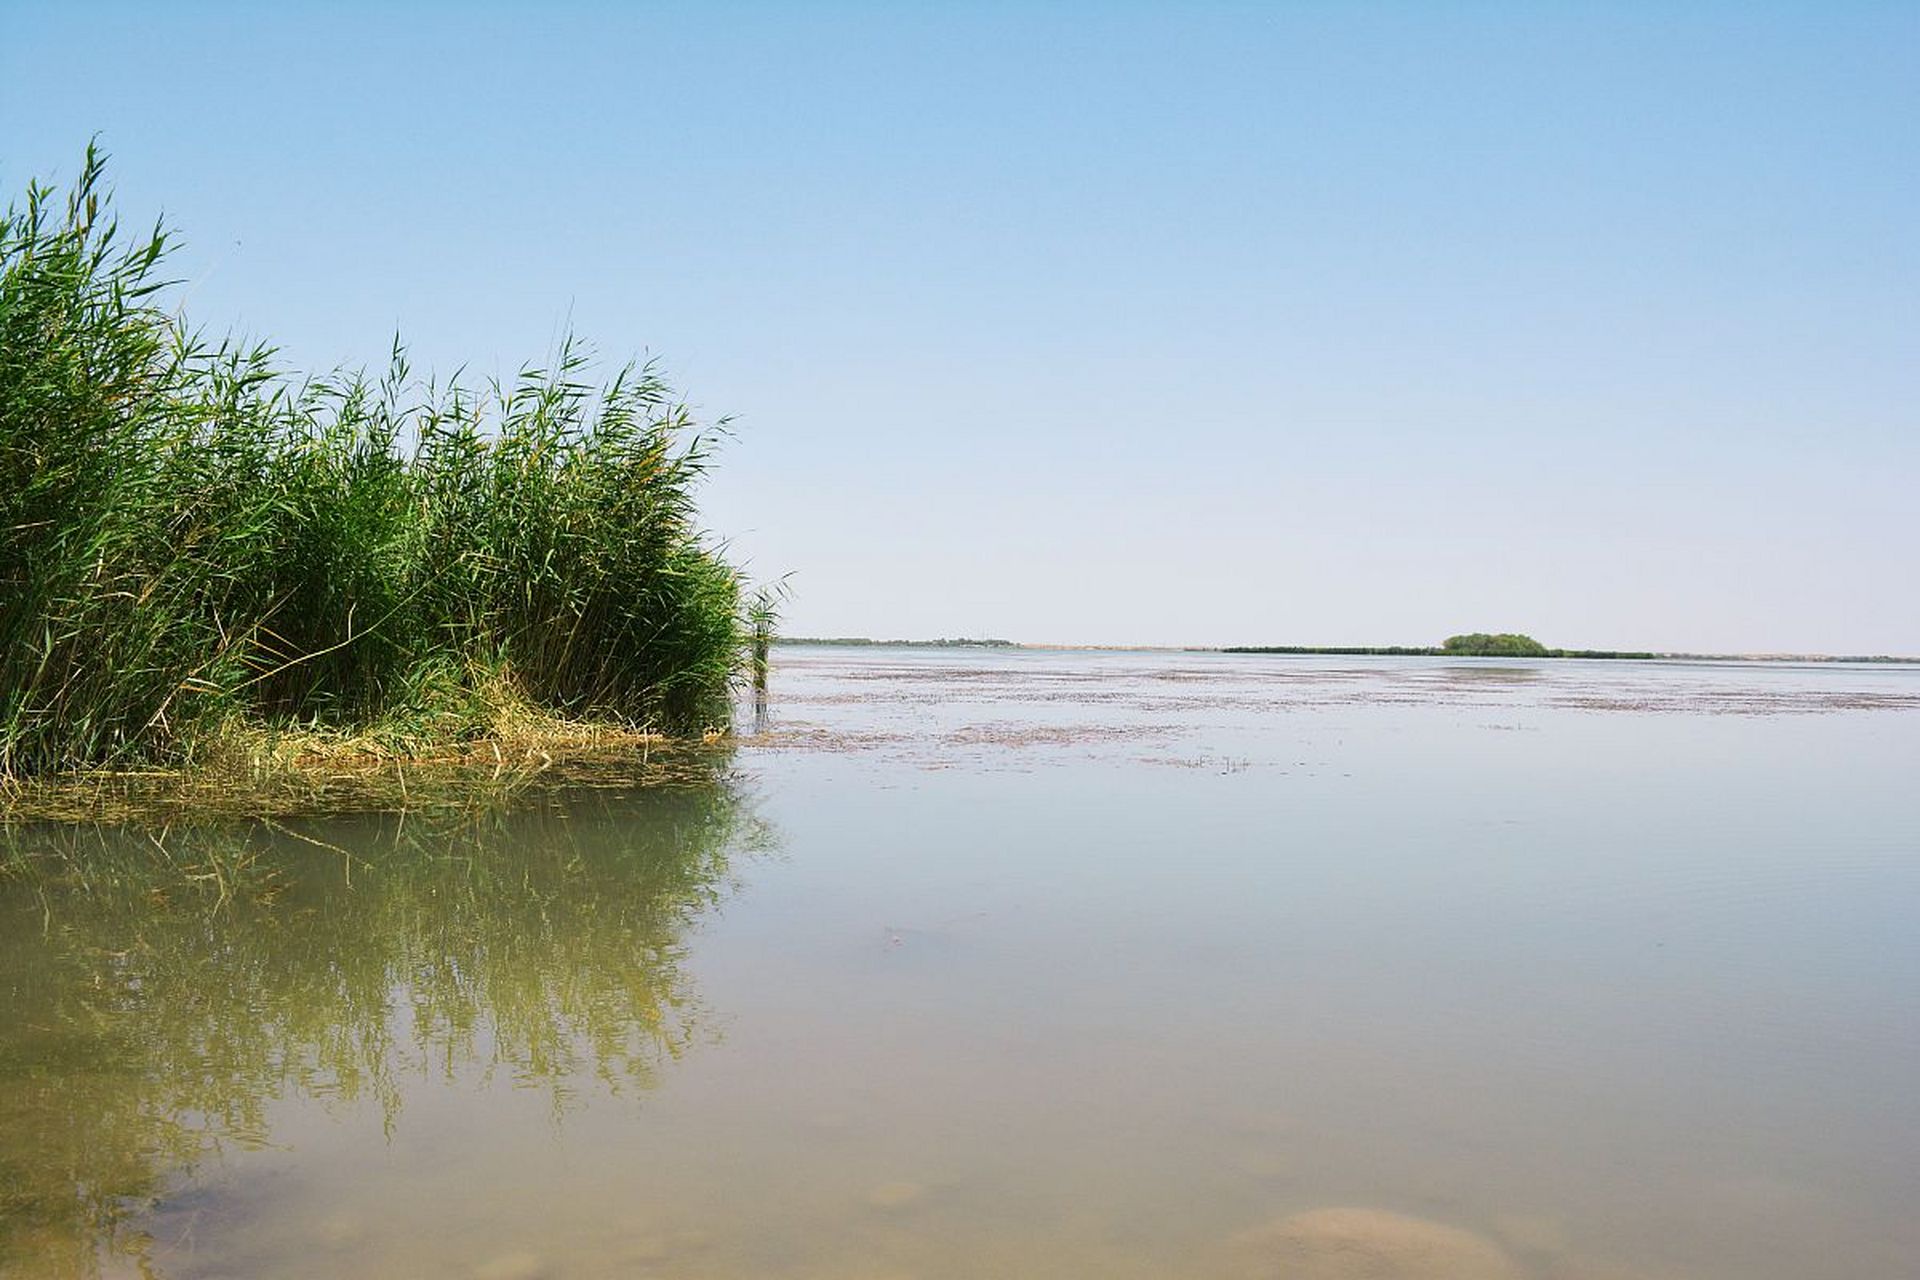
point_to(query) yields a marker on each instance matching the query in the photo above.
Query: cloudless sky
(1181, 323)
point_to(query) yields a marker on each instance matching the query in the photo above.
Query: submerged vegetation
(196, 545)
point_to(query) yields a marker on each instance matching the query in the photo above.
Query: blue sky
(1288, 323)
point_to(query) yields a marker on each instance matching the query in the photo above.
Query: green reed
(191, 538)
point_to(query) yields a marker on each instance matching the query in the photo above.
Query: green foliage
(187, 535)
(763, 620)
(1504, 645)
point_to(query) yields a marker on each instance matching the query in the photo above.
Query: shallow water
(1025, 963)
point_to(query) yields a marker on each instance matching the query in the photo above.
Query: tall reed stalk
(190, 537)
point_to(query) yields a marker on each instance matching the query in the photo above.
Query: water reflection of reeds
(166, 986)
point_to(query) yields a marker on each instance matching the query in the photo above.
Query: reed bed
(199, 548)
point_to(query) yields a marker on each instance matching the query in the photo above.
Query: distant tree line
(1473, 644)
(913, 644)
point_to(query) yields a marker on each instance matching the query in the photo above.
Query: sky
(1188, 323)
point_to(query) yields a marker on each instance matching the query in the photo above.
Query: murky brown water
(1025, 964)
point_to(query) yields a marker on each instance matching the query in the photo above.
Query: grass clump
(195, 544)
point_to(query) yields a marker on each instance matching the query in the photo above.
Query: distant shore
(862, 642)
(1434, 651)
(1347, 651)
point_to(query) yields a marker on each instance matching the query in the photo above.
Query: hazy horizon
(1017, 642)
(1329, 324)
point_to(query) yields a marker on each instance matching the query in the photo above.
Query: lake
(979, 962)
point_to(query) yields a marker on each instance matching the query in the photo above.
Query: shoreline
(1354, 651)
(247, 771)
(265, 775)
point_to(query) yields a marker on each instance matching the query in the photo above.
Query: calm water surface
(972, 963)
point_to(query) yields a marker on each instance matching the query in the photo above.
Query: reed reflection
(162, 988)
